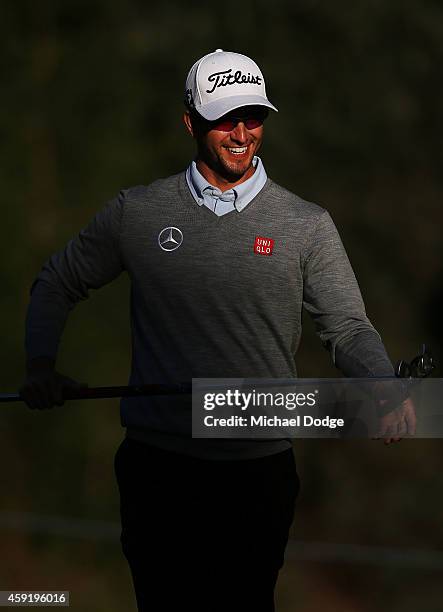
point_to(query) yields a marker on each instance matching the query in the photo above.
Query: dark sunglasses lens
(227, 125)
(252, 123)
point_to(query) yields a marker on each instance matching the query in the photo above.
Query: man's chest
(195, 249)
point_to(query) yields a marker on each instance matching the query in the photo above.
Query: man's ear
(188, 122)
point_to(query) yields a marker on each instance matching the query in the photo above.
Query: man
(222, 260)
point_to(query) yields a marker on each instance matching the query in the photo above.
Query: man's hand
(398, 423)
(43, 387)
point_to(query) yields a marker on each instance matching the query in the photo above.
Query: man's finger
(29, 397)
(41, 396)
(411, 421)
(58, 393)
(403, 428)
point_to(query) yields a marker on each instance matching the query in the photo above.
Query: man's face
(228, 145)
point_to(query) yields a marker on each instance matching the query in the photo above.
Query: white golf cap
(223, 81)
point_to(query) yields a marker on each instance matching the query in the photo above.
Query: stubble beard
(230, 169)
(234, 169)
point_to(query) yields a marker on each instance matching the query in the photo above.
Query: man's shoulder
(293, 202)
(141, 193)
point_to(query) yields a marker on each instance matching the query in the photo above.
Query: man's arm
(333, 299)
(89, 261)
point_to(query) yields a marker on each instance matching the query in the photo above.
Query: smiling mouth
(237, 150)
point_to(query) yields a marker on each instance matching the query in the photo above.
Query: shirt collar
(242, 193)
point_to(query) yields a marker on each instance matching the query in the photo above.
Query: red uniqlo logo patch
(263, 246)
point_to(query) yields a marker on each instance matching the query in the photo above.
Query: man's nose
(239, 132)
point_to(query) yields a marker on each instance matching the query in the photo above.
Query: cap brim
(218, 108)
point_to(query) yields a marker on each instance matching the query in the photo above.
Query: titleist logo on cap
(225, 77)
(223, 81)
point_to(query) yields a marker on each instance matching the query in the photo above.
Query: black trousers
(201, 534)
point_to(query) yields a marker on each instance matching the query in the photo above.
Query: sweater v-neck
(204, 212)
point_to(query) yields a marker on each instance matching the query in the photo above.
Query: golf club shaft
(82, 393)
(102, 392)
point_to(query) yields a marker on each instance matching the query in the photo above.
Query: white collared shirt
(224, 202)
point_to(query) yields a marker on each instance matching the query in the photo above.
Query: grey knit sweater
(214, 306)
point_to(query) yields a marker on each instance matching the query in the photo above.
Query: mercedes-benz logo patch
(170, 238)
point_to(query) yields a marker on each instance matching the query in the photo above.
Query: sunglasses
(230, 123)
(252, 119)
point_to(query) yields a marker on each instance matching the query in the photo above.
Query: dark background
(91, 97)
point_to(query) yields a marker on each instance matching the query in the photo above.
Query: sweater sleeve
(89, 261)
(332, 297)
